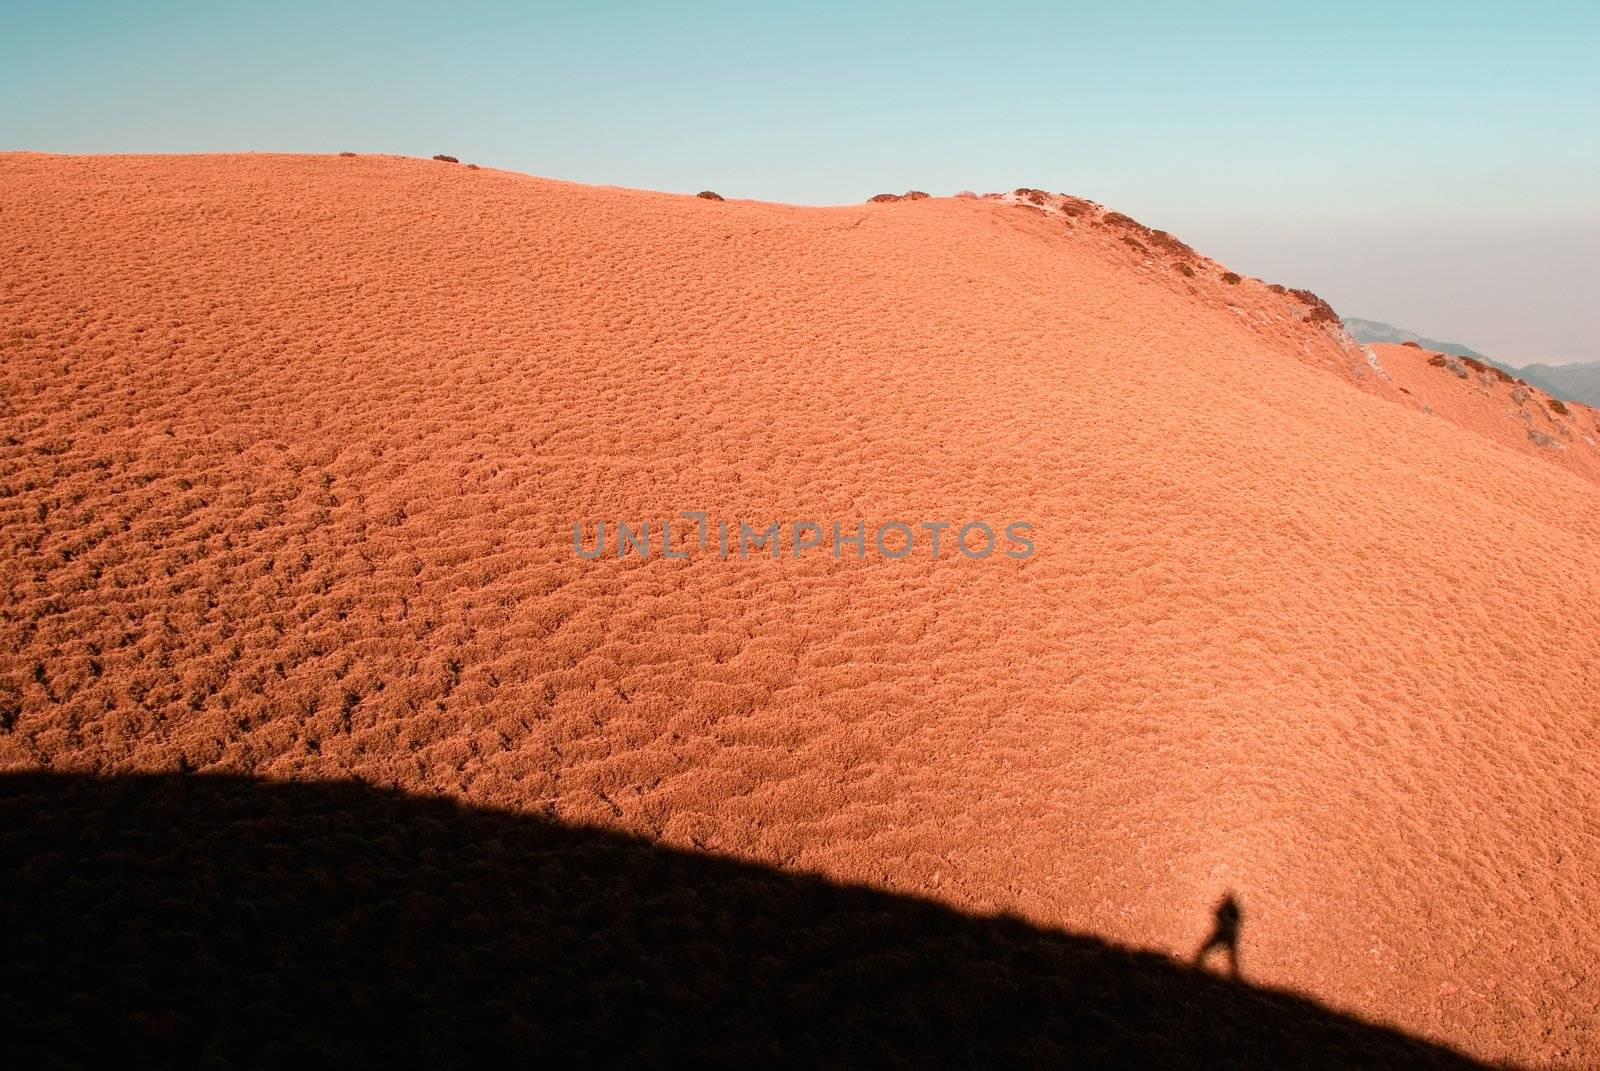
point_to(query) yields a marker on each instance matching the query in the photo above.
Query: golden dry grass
(294, 445)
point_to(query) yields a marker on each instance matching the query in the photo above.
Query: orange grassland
(293, 446)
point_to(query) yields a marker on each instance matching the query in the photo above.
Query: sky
(1432, 165)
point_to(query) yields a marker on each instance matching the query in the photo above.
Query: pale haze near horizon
(1435, 168)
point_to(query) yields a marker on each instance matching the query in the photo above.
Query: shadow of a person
(1226, 920)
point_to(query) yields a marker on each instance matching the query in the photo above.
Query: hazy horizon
(1422, 170)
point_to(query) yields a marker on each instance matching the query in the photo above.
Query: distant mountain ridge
(1570, 382)
(1377, 331)
(1573, 382)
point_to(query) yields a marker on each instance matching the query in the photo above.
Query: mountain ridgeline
(1569, 382)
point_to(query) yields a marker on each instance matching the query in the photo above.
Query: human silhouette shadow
(219, 921)
(1227, 917)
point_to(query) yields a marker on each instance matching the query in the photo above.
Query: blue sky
(1397, 158)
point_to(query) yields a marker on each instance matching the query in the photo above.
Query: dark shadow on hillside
(207, 920)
